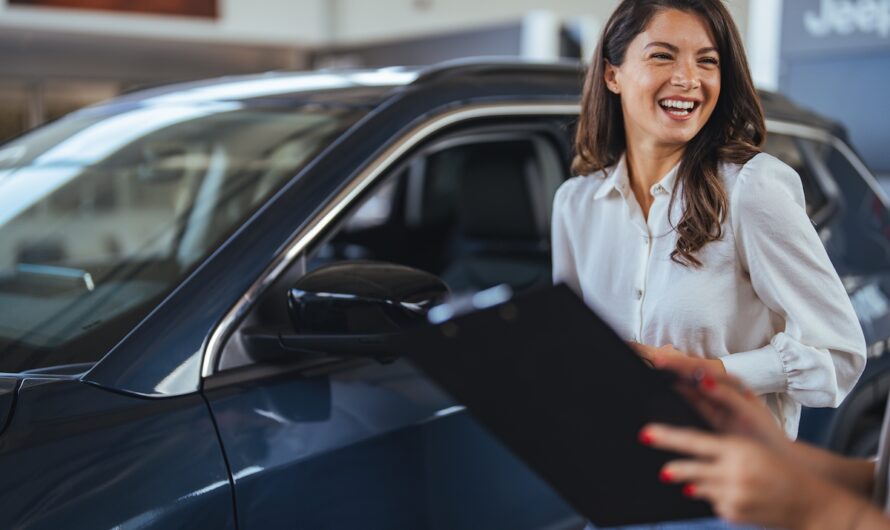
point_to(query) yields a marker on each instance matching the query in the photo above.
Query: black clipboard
(558, 387)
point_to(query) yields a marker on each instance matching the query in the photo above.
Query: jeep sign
(835, 25)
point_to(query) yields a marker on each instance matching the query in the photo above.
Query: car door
(364, 444)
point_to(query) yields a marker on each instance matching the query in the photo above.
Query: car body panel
(372, 446)
(74, 455)
(8, 386)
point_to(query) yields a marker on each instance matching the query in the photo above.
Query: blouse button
(638, 293)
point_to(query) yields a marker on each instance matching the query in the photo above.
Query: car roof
(371, 87)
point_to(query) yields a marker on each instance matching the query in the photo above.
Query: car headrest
(495, 197)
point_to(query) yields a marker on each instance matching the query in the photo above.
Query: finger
(641, 349)
(677, 364)
(689, 471)
(710, 378)
(681, 440)
(707, 490)
(713, 413)
(734, 399)
(647, 354)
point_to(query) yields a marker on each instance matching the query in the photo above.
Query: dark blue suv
(148, 246)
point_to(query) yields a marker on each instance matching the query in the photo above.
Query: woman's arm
(818, 356)
(854, 474)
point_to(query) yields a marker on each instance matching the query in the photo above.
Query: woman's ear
(610, 77)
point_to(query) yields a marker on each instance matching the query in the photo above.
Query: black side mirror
(361, 297)
(351, 309)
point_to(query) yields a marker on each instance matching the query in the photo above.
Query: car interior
(473, 210)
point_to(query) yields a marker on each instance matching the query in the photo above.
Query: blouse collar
(618, 180)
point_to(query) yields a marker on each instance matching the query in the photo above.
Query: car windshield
(104, 212)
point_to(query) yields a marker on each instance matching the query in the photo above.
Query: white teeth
(687, 105)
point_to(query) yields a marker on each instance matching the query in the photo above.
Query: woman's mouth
(678, 109)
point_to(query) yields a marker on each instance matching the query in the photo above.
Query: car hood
(8, 386)
(11, 383)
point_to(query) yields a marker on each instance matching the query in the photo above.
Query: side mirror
(362, 297)
(351, 309)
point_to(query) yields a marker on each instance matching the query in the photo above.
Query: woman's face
(669, 81)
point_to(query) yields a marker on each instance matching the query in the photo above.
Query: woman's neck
(646, 165)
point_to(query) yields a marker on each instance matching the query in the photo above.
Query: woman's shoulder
(761, 180)
(762, 174)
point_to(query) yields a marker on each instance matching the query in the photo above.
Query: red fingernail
(689, 490)
(708, 383)
(646, 437)
(665, 476)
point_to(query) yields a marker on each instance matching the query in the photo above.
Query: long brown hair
(732, 134)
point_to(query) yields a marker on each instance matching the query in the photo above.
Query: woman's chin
(674, 138)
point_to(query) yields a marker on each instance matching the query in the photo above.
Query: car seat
(503, 226)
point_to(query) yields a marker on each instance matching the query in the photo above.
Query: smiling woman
(694, 245)
(668, 90)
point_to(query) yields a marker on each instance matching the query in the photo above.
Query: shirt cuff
(760, 370)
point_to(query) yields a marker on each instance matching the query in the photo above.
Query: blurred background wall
(835, 58)
(58, 55)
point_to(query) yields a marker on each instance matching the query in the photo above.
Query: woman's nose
(685, 76)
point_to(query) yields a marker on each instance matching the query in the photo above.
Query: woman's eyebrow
(675, 49)
(667, 45)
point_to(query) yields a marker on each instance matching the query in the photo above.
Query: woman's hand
(748, 482)
(668, 358)
(731, 408)
(722, 400)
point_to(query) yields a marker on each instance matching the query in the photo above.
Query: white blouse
(767, 300)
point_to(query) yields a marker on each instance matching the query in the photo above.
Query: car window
(104, 213)
(475, 214)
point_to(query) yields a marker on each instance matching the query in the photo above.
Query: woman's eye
(661, 56)
(710, 60)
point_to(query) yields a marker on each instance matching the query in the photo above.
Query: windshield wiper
(74, 277)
